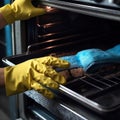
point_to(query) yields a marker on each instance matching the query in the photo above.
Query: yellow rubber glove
(35, 74)
(20, 10)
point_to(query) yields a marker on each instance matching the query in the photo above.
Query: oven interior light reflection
(48, 8)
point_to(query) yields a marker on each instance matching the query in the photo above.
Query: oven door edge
(113, 14)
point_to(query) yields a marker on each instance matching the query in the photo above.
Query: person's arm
(18, 10)
(2, 81)
(2, 21)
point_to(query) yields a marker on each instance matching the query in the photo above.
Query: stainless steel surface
(18, 38)
(110, 3)
(64, 110)
(42, 113)
(18, 46)
(87, 9)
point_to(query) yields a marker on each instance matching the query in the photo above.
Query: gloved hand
(20, 10)
(36, 74)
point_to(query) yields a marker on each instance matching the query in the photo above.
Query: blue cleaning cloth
(74, 62)
(92, 59)
(114, 50)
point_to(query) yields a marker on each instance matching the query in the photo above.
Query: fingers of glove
(22, 2)
(41, 89)
(53, 61)
(34, 11)
(38, 11)
(52, 82)
(44, 80)
(48, 76)
(54, 75)
(59, 78)
(26, 7)
(42, 68)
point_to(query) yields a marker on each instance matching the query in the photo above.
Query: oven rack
(95, 91)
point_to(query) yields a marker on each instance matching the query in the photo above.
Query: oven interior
(60, 33)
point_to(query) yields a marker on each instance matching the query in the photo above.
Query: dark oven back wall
(59, 26)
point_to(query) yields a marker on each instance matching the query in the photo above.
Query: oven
(70, 26)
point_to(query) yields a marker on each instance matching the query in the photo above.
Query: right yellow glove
(35, 74)
(20, 10)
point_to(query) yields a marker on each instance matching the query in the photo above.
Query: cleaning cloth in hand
(92, 59)
(73, 60)
(114, 50)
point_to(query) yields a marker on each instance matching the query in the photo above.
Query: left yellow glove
(20, 10)
(36, 74)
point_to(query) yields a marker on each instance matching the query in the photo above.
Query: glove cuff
(13, 86)
(7, 13)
